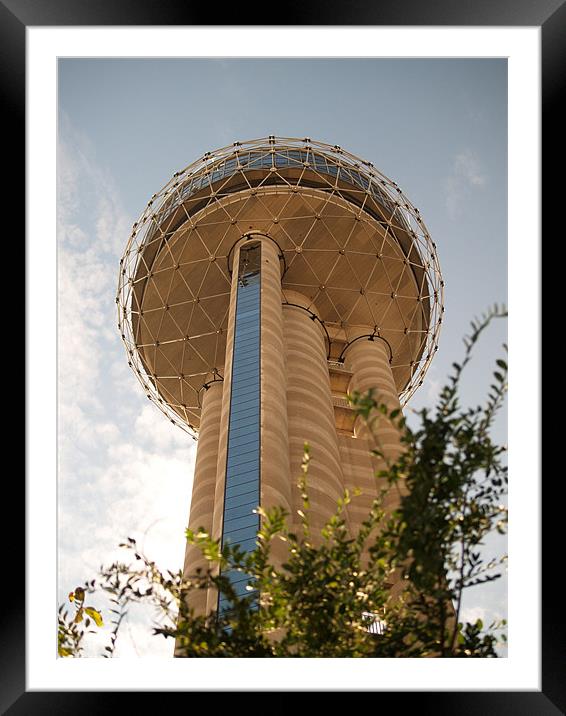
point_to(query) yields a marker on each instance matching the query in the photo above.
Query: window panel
(245, 462)
(238, 494)
(246, 545)
(246, 452)
(241, 413)
(243, 449)
(242, 479)
(241, 510)
(244, 459)
(245, 391)
(245, 438)
(235, 523)
(248, 430)
(247, 500)
(247, 379)
(244, 474)
(236, 536)
(242, 418)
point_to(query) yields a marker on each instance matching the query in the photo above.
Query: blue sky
(436, 127)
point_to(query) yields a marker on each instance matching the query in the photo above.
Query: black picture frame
(550, 16)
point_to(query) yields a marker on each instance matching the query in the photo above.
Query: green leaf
(95, 615)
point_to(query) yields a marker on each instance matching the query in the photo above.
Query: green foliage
(72, 628)
(452, 481)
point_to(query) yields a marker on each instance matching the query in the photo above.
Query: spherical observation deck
(349, 240)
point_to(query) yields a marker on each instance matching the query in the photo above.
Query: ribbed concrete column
(212, 599)
(204, 485)
(274, 457)
(369, 362)
(310, 412)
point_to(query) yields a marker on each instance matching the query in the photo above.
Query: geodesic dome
(349, 240)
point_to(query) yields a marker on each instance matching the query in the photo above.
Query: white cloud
(467, 166)
(124, 470)
(466, 176)
(153, 429)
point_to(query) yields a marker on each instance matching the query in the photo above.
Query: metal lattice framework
(349, 240)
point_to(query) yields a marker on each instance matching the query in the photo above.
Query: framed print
(97, 87)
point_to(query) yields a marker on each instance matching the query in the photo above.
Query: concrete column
(274, 456)
(217, 517)
(368, 360)
(310, 413)
(204, 485)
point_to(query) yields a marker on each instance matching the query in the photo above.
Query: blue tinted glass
(245, 431)
(246, 352)
(243, 473)
(242, 392)
(244, 478)
(243, 492)
(242, 489)
(243, 459)
(243, 412)
(246, 449)
(246, 545)
(240, 447)
(245, 394)
(240, 510)
(243, 449)
(252, 312)
(245, 404)
(247, 379)
(246, 374)
(249, 467)
(241, 495)
(242, 483)
(235, 523)
(244, 424)
(242, 418)
(237, 536)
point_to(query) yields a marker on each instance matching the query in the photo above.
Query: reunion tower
(262, 284)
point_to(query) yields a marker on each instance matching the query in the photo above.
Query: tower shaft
(279, 391)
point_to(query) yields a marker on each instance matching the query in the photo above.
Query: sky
(437, 127)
